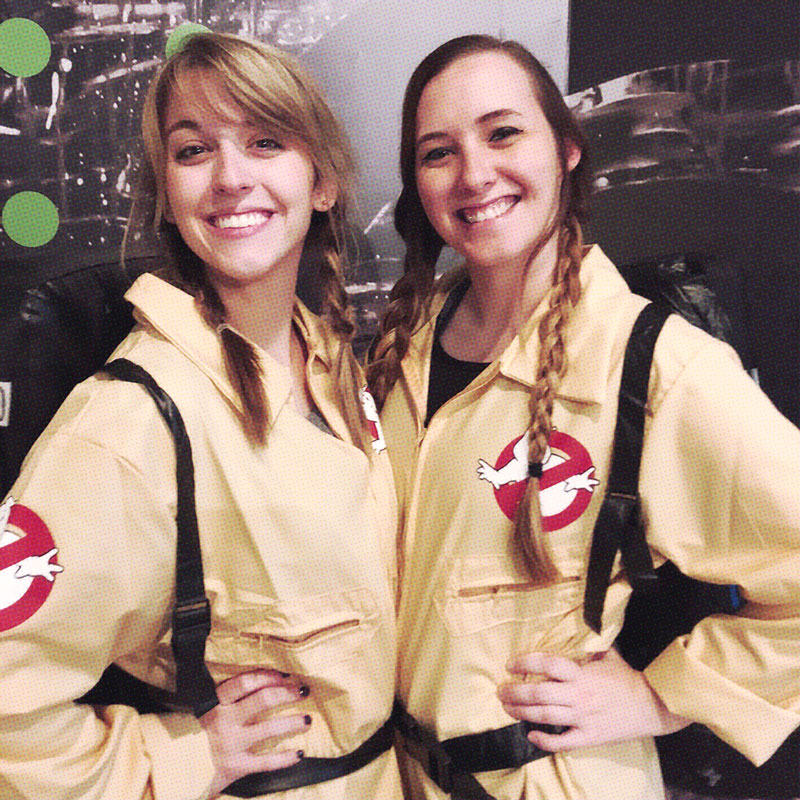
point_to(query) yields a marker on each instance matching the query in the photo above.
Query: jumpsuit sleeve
(721, 498)
(111, 527)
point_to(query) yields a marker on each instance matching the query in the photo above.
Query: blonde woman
(295, 502)
(498, 388)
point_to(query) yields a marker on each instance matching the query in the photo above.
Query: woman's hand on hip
(234, 728)
(603, 700)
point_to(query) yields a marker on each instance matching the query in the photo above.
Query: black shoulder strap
(618, 525)
(191, 615)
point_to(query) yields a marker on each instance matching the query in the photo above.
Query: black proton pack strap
(618, 523)
(191, 620)
(450, 763)
(191, 615)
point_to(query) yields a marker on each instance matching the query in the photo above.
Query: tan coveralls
(298, 540)
(720, 484)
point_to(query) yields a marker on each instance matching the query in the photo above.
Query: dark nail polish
(303, 691)
(300, 754)
(307, 719)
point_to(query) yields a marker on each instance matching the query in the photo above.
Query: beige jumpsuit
(720, 483)
(298, 540)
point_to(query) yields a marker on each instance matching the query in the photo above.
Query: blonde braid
(242, 364)
(336, 309)
(528, 533)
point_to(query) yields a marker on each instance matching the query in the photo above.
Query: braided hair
(269, 86)
(410, 296)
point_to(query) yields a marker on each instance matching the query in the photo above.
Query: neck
(262, 311)
(503, 297)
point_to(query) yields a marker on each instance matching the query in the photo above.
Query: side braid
(406, 303)
(241, 364)
(528, 532)
(336, 310)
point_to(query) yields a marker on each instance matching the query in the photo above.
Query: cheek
(432, 196)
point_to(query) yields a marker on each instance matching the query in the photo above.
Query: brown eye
(268, 143)
(499, 134)
(437, 154)
(188, 152)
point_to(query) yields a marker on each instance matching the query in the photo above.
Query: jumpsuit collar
(173, 313)
(586, 379)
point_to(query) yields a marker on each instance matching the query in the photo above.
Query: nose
(477, 171)
(232, 173)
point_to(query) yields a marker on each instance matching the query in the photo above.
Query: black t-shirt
(448, 375)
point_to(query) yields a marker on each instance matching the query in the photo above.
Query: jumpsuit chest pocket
(306, 635)
(488, 591)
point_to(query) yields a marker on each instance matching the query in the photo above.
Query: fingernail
(303, 691)
(301, 754)
(307, 719)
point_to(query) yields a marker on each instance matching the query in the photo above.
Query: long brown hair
(409, 298)
(269, 86)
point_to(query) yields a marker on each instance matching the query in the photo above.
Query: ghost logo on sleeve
(373, 420)
(28, 565)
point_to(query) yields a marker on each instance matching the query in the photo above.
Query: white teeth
(489, 212)
(240, 220)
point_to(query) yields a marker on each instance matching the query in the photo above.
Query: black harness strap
(191, 616)
(314, 770)
(450, 763)
(191, 619)
(618, 525)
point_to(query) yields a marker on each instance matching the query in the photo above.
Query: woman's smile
(488, 211)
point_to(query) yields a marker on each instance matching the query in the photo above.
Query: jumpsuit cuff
(745, 721)
(180, 756)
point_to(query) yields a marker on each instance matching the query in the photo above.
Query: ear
(573, 155)
(324, 195)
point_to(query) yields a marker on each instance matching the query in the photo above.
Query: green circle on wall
(24, 47)
(178, 37)
(30, 219)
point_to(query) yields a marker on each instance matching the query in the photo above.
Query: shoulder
(688, 359)
(115, 417)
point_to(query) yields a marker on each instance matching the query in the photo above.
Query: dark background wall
(691, 109)
(693, 114)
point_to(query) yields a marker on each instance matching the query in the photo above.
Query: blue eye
(499, 134)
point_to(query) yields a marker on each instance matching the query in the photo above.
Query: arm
(112, 530)
(720, 487)
(707, 467)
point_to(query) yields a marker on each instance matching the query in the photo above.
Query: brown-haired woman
(498, 386)
(294, 495)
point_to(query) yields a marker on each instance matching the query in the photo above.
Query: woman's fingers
(234, 689)
(557, 668)
(543, 715)
(245, 763)
(270, 761)
(275, 727)
(542, 693)
(235, 733)
(269, 697)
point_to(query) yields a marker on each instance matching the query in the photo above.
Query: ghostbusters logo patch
(28, 566)
(566, 485)
(373, 420)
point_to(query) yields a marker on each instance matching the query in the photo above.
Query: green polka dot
(30, 219)
(24, 47)
(177, 39)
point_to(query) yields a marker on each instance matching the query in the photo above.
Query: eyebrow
(499, 113)
(182, 124)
